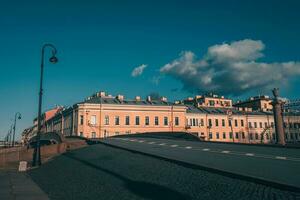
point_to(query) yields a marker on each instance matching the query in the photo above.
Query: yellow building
(212, 118)
(103, 116)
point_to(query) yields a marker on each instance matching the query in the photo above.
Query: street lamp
(17, 116)
(37, 149)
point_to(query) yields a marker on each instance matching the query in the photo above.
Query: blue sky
(100, 42)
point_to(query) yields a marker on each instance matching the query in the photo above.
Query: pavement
(278, 167)
(104, 172)
(19, 186)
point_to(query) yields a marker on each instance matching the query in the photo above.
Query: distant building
(209, 100)
(257, 103)
(31, 131)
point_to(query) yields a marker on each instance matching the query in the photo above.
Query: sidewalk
(19, 186)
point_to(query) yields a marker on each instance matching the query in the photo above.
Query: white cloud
(138, 70)
(230, 69)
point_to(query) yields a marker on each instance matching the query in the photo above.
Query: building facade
(211, 118)
(104, 116)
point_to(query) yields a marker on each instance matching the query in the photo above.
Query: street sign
(23, 166)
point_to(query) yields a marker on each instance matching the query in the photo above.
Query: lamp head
(53, 59)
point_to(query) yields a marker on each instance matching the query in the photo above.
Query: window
(147, 121)
(230, 135)
(81, 134)
(209, 123)
(176, 121)
(137, 120)
(81, 119)
(156, 121)
(217, 135)
(127, 120)
(260, 125)
(250, 125)
(256, 136)
(255, 124)
(93, 119)
(236, 135)
(242, 123)
(194, 122)
(93, 135)
(224, 135)
(266, 124)
(251, 136)
(210, 135)
(217, 122)
(166, 121)
(272, 124)
(235, 122)
(223, 122)
(229, 122)
(201, 122)
(106, 120)
(243, 135)
(117, 120)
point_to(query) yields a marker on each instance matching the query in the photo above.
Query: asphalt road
(104, 172)
(273, 164)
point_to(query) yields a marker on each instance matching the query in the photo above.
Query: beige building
(240, 124)
(260, 103)
(212, 118)
(103, 116)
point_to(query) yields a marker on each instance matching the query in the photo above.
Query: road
(270, 164)
(104, 172)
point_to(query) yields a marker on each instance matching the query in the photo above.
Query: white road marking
(280, 157)
(162, 144)
(205, 149)
(225, 151)
(132, 140)
(174, 145)
(151, 142)
(188, 147)
(249, 154)
(141, 141)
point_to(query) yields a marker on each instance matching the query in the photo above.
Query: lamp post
(37, 150)
(17, 115)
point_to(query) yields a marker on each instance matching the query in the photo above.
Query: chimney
(100, 94)
(149, 98)
(120, 97)
(110, 96)
(164, 99)
(137, 98)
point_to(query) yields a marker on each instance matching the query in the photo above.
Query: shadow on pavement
(142, 189)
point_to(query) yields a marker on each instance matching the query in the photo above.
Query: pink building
(212, 118)
(103, 116)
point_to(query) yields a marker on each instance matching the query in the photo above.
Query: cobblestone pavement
(101, 172)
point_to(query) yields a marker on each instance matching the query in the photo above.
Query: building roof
(112, 100)
(222, 111)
